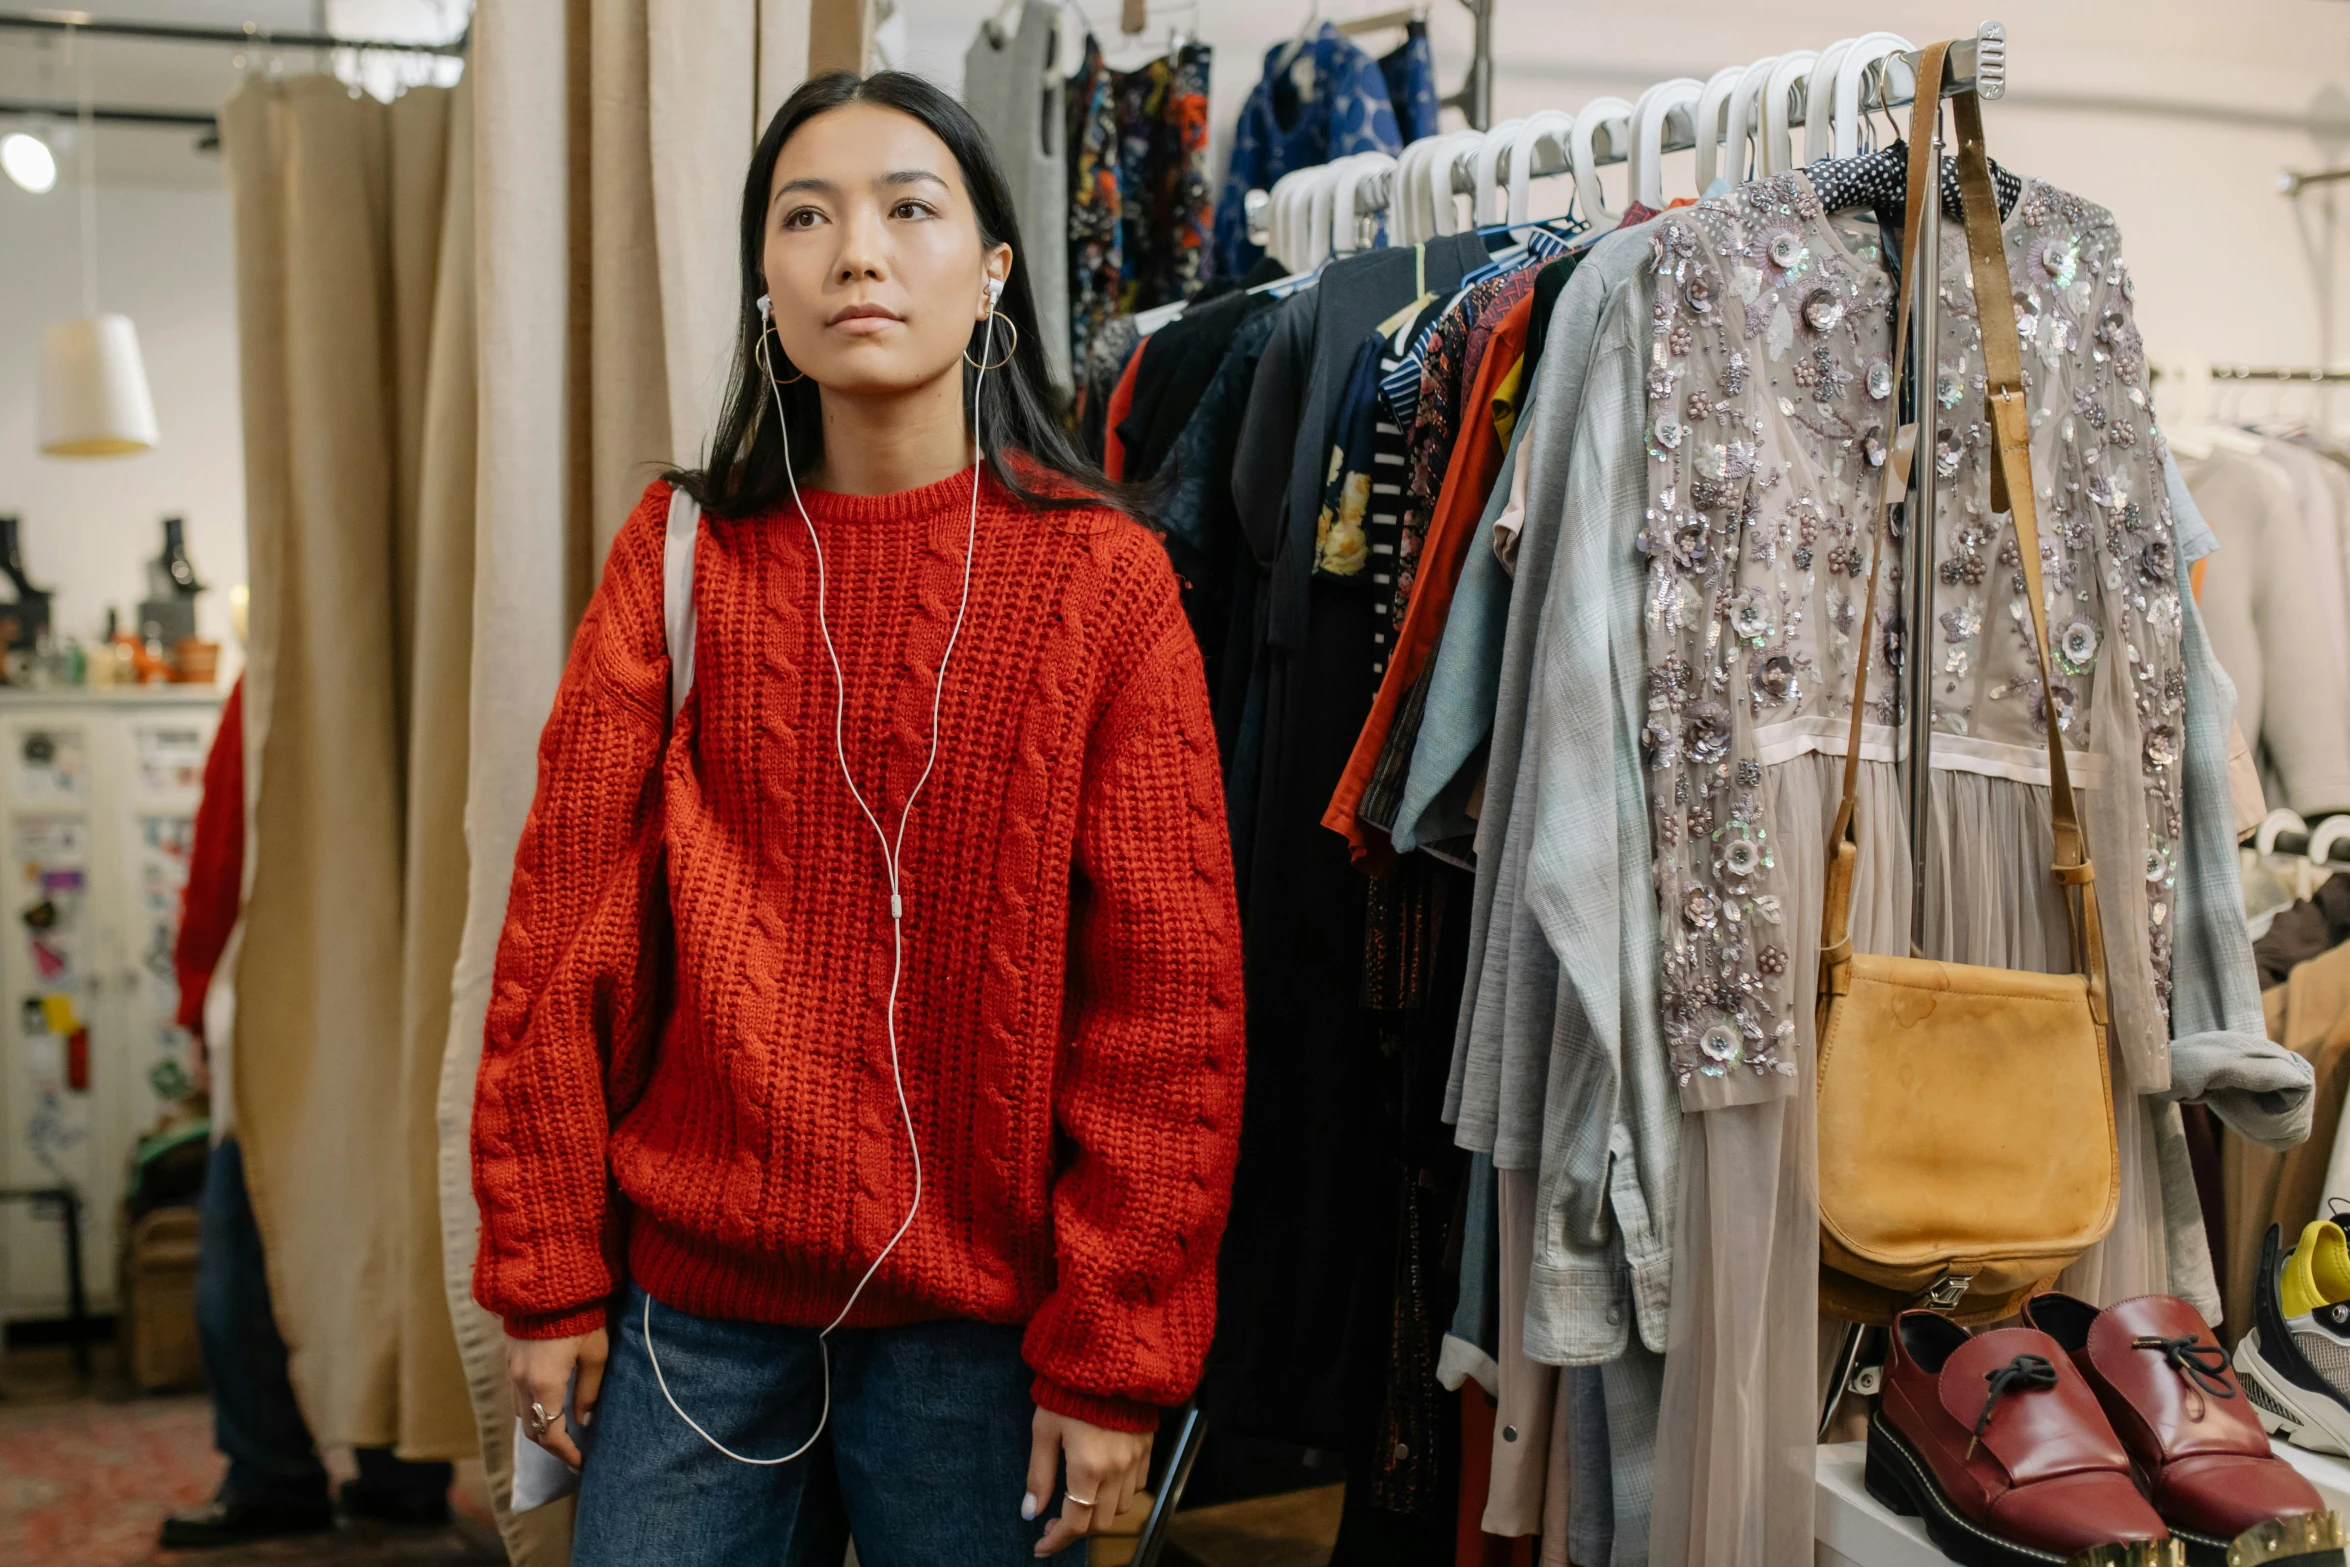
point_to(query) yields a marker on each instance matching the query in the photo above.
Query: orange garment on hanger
(1121, 399)
(1468, 479)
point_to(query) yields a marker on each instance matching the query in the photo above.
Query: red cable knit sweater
(709, 1038)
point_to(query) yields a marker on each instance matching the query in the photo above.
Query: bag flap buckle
(1946, 1292)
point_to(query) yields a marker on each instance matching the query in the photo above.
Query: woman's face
(873, 257)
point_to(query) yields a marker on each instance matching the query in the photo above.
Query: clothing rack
(251, 35)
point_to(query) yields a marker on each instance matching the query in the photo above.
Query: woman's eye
(802, 218)
(911, 208)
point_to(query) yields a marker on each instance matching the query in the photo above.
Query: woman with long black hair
(862, 1078)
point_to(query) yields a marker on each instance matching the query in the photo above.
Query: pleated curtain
(354, 275)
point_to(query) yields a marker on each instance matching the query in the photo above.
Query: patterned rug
(88, 1483)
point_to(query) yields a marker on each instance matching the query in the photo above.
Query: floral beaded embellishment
(1770, 399)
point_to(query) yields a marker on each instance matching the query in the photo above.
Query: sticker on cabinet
(170, 755)
(51, 766)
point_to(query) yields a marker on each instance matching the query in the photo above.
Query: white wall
(2177, 114)
(90, 523)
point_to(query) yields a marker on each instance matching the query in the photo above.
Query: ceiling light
(28, 161)
(94, 398)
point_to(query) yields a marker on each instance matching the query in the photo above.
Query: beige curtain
(354, 271)
(611, 140)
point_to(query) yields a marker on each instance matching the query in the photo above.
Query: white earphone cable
(892, 856)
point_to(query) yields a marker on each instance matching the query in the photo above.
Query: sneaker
(227, 1521)
(2295, 1361)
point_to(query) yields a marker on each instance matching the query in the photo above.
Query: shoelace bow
(2198, 1364)
(2022, 1374)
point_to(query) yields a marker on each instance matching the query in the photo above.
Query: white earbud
(995, 291)
(766, 308)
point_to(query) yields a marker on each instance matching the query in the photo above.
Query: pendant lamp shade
(94, 399)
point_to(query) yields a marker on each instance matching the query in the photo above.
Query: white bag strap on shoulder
(677, 594)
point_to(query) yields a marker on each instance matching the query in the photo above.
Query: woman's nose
(862, 253)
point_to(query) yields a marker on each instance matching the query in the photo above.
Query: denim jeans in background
(255, 1422)
(924, 1459)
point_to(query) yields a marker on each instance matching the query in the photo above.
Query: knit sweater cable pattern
(685, 1075)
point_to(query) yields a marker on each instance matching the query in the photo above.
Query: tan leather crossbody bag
(1966, 1142)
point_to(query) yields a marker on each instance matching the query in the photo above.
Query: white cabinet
(98, 793)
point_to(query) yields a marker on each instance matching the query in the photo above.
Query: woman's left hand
(1106, 1468)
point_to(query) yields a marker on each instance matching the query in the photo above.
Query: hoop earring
(767, 366)
(1008, 325)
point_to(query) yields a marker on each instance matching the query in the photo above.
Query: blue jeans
(924, 1459)
(255, 1422)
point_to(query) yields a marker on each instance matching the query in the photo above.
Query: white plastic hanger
(1846, 111)
(1292, 201)
(1409, 218)
(1777, 152)
(1819, 127)
(1712, 112)
(1348, 232)
(1554, 126)
(1443, 198)
(1742, 126)
(1486, 200)
(1649, 117)
(1616, 115)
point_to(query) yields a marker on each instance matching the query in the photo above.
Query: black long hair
(743, 472)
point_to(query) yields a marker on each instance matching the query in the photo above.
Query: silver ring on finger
(540, 1420)
(1081, 1501)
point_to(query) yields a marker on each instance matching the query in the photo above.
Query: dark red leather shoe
(1995, 1442)
(2166, 1387)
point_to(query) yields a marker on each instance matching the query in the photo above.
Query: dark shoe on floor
(228, 1521)
(401, 1509)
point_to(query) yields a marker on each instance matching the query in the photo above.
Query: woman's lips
(863, 320)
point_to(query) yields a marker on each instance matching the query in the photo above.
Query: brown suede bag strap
(1836, 910)
(2011, 490)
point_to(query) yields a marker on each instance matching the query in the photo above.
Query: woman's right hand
(539, 1370)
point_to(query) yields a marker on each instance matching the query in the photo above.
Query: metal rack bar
(1978, 63)
(251, 36)
(191, 119)
(2290, 843)
(2292, 182)
(2305, 377)
(1475, 97)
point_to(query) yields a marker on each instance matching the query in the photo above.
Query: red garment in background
(1121, 399)
(216, 863)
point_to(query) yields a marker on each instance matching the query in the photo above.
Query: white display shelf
(1854, 1531)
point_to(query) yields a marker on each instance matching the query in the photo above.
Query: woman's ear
(996, 272)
